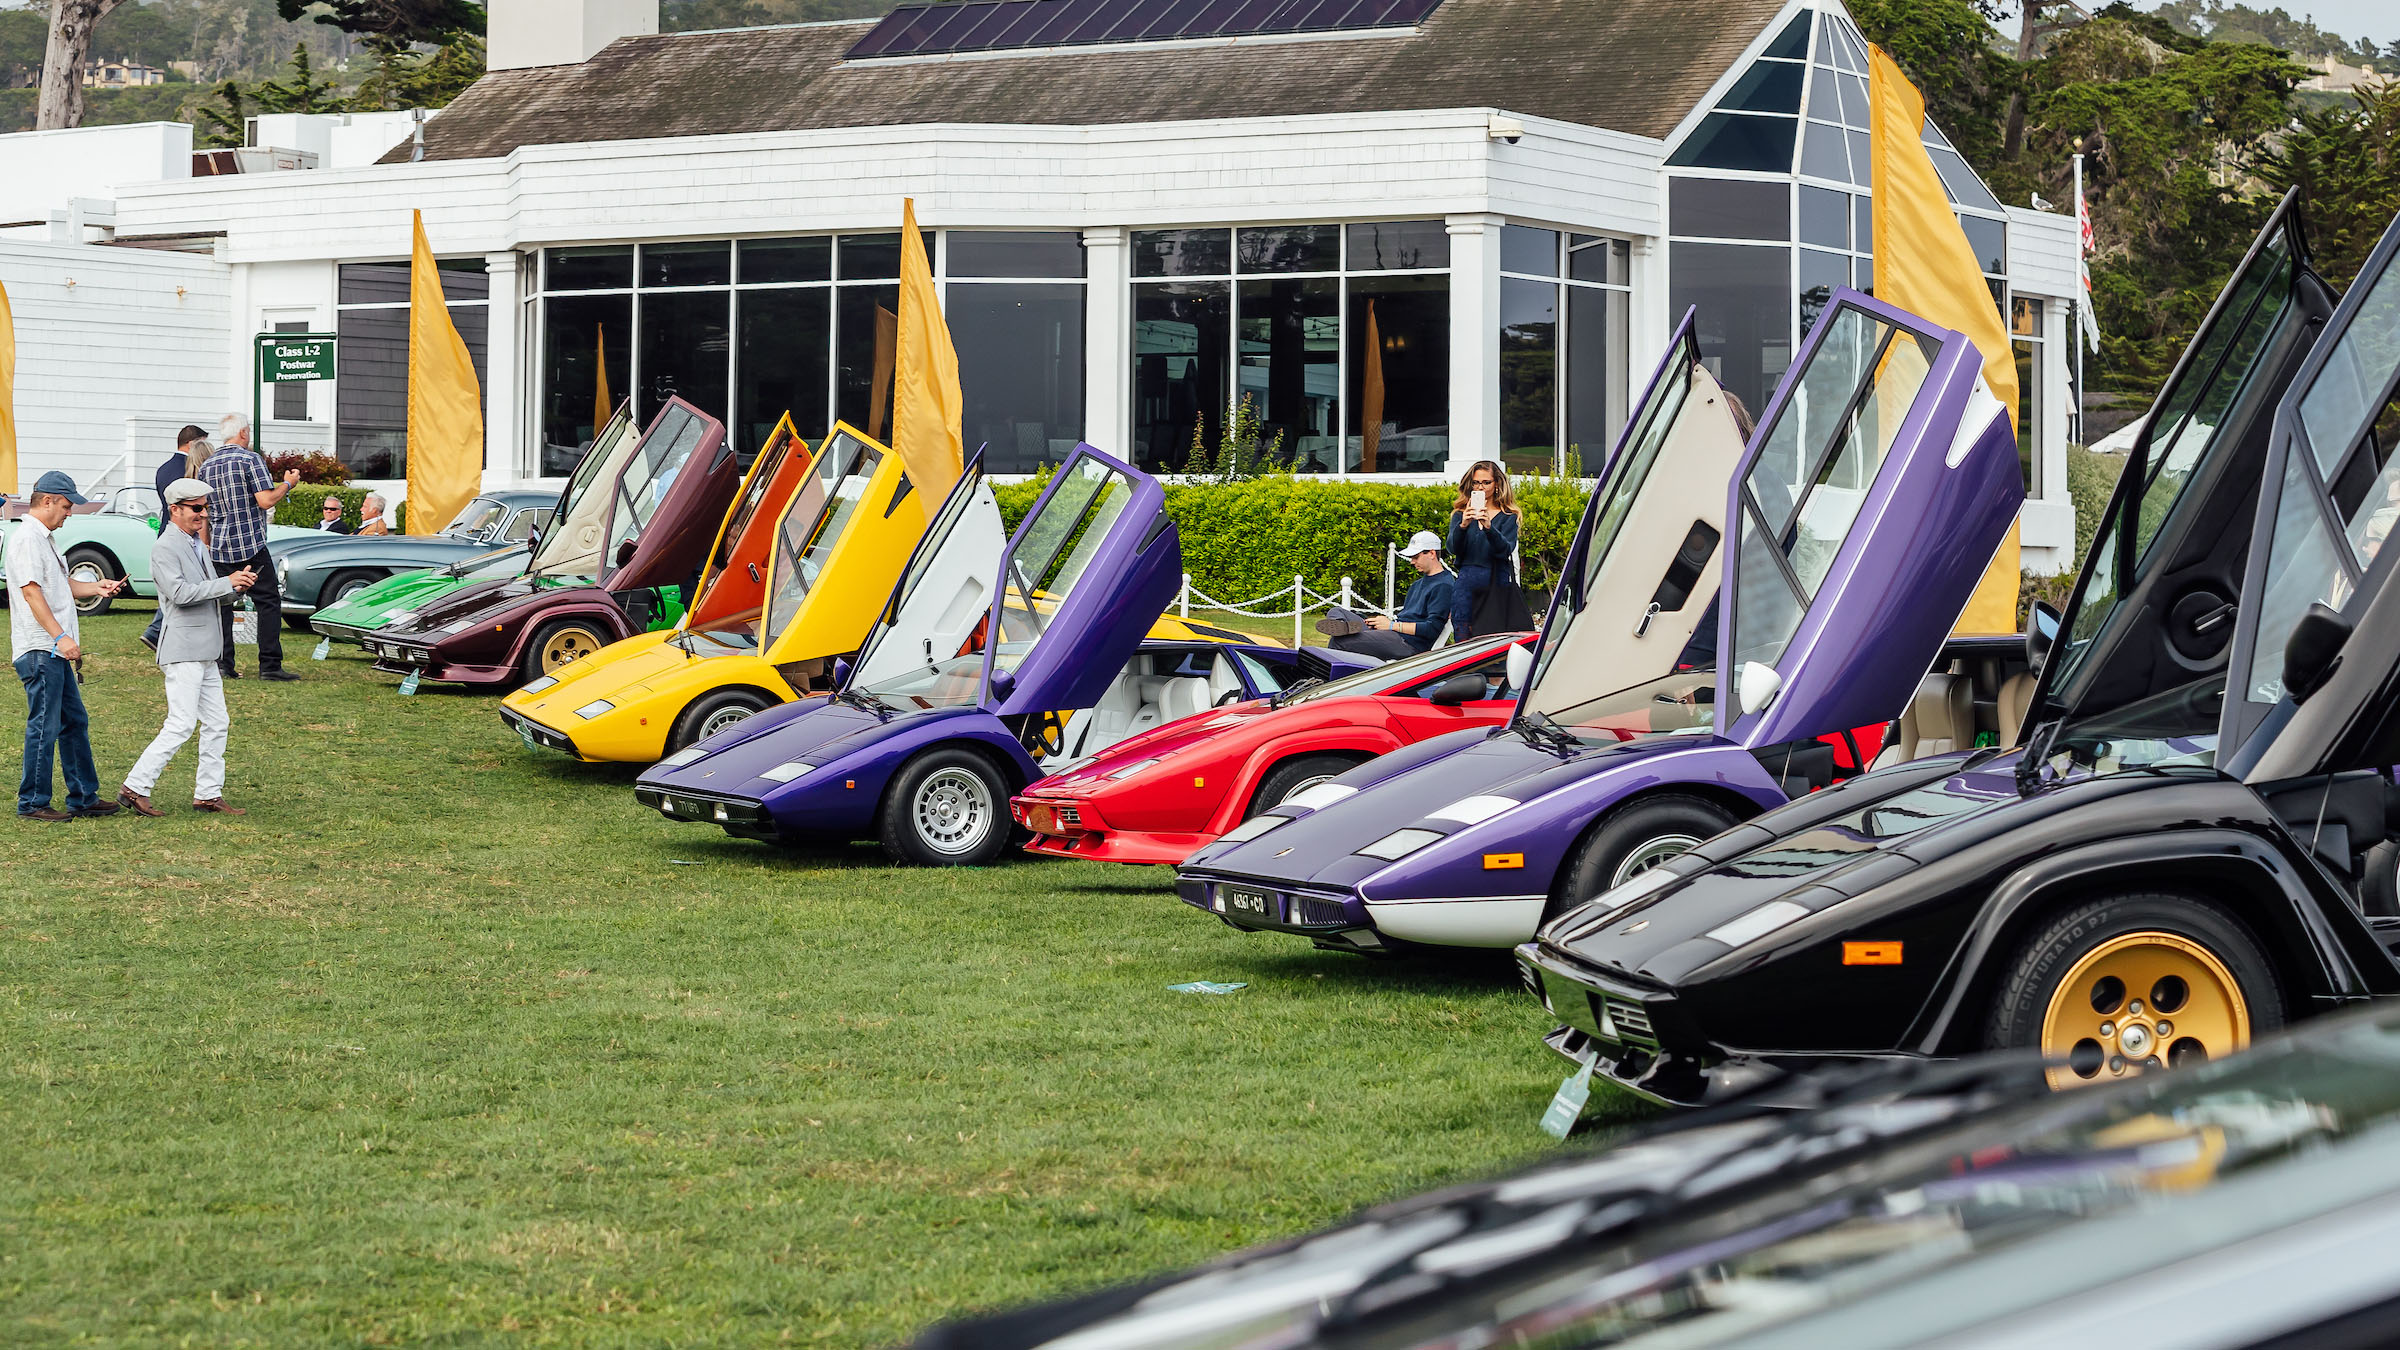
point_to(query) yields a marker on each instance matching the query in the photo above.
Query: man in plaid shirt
(244, 497)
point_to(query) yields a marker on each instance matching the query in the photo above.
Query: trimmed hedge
(1246, 539)
(304, 504)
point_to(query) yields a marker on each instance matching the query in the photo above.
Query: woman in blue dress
(1483, 540)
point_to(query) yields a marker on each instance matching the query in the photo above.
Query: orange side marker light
(1498, 862)
(1871, 953)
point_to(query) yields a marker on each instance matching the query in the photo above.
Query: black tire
(2055, 952)
(1634, 838)
(1293, 775)
(947, 808)
(713, 713)
(342, 585)
(92, 564)
(2379, 881)
(551, 640)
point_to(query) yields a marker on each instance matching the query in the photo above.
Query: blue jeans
(55, 720)
(1473, 580)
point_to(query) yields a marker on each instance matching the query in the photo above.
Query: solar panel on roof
(1000, 25)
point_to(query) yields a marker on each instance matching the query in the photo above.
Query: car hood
(614, 672)
(476, 599)
(1487, 773)
(817, 730)
(1814, 853)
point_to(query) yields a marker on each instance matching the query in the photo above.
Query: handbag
(1501, 608)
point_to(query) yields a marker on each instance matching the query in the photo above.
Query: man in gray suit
(189, 642)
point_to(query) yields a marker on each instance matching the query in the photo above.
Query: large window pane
(685, 339)
(786, 343)
(371, 393)
(1289, 368)
(804, 259)
(1528, 250)
(866, 334)
(578, 384)
(1382, 245)
(1399, 392)
(1020, 363)
(1182, 253)
(387, 283)
(1014, 253)
(869, 257)
(1180, 335)
(1593, 258)
(1745, 324)
(1596, 343)
(1724, 208)
(1824, 217)
(1739, 141)
(706, 262)
(589, 269)
(1289, 248)
(1821, 274)
(1528, 375)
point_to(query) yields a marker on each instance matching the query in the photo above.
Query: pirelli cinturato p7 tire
(947, 808)
(709, 715)
(1633, 839)
(91, 564)
(561, 642)
(2132, 982)
(1296, 775)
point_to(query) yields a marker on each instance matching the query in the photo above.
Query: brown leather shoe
(217, 806)
(45, 814)
(136, 803)
(98, 809)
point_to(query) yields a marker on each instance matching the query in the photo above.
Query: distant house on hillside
(2335, 76)
(122, 75)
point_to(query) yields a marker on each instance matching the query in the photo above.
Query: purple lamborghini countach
(1665, 707)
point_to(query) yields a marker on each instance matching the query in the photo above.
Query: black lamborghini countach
(2197, 837)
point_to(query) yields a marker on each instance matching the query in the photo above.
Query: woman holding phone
(1483, 540)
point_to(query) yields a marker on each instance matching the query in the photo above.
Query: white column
(1652, 324)
(506, 389)
(1474, 339)
(1107, 342)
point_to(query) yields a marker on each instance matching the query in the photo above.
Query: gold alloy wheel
(565, 645)
(2142, 1001)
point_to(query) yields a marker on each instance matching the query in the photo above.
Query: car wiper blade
(1541, 728)
(1286, 695)
(865, 702)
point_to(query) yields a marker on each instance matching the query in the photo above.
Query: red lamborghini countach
(1159, 794)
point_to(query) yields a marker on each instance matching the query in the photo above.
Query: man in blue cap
(43, 646)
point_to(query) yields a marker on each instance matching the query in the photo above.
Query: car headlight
(1251, 829)
(1473, 810)
(680, 757)
(1131, 769)
(537, 686)
(787, 771)
(1399, 844)
(461, 626)
(595, 708)
(1758, 923)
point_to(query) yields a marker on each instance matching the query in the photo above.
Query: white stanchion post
(1349, 601)
(1391, 568)
(1299, 608)
(1183, 599)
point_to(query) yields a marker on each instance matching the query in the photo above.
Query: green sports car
(365, 610)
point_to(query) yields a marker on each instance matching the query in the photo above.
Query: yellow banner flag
(604, 406)
(445, 406)
(8, 395)
(1924, 264)
(927, 408)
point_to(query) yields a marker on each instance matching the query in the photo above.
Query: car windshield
(526, 522)
(2176, 453)
(1633, 640)
(1375, 679)
(646, 483)
(814, 522)
(574, 545)
(1813, 470)
(2340, 496)
(478, 519)
(1053, 549)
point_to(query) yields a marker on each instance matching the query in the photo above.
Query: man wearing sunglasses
(190, 641)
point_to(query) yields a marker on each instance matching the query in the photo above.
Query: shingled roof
(1628, 65)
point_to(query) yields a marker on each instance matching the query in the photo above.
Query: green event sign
(293, 358)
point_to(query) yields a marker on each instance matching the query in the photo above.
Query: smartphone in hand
(1475, 500)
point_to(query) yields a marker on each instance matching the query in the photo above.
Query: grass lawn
(446, 1042)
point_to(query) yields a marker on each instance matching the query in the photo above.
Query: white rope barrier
(1302, 601)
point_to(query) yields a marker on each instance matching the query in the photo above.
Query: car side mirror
(1004, 683)
(1456, 690)
(625, 552)
(2041, 630)
(1758, 685)
(841, 672)
(2314, 651)
(1520, 665)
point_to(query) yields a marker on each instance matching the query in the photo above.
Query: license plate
(1042, 819)
(525, 733)
(1257, 904)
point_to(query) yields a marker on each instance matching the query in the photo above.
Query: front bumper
(744, 817)
(539, 737)
(1334, 920)
(1064, 827)
(404, 658)
(1634, 1035)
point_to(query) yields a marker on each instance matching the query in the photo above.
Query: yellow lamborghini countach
(803, 563)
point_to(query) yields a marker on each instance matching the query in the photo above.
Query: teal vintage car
(111, 538)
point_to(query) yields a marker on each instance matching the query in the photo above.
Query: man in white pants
(189, 642)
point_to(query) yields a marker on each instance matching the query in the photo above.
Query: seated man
(1420, 618)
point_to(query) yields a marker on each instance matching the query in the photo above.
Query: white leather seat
(2016, 699)
(1938, 720)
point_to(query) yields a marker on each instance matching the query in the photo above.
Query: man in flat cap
(45, 647)
(190, 641)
